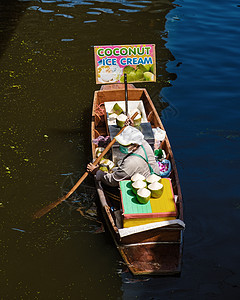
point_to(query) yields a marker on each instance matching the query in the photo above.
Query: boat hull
(151, 249)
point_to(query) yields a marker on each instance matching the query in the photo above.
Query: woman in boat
(139, 159)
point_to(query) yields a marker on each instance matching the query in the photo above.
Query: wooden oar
(49, 207)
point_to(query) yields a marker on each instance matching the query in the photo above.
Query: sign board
(137, 61)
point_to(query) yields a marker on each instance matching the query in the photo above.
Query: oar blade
(47, 208)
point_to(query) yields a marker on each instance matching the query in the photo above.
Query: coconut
(139, 184)
(137, 176)
(149, 76)
(99, 151)
(132, 111)
(112, 117)
(121, 120)
(106, 163)
(143, 195)
(152, 178)
(104, 169)
(156, 189)
(137, 120)
(116, 109)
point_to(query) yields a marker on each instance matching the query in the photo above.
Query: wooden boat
(154, 248)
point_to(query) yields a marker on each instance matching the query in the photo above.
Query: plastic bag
(165, 167)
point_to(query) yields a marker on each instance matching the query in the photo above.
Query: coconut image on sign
(139, 73)
(109, 74)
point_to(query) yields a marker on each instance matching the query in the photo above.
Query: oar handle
(49, 207)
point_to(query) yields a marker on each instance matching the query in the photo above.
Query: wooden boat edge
(106, 210)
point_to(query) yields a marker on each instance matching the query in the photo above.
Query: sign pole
(126, 93)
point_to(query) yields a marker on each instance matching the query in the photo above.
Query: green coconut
(148, 67)
(153, 178)
(156, 189)
(121, 120)
(122, 79)
(139, 75)
(139, 184)
(137, 176)
(104, 169)
(99, 151)
(152, 69)
(142, 68)
(113, 117)
(116, 109)
(143, 195)
(128, 69)
(137, 120)
(107, 163)
(149, 76)
(131, 76)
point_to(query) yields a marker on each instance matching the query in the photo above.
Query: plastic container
(159, 136)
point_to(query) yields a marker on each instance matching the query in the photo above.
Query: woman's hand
(92, 169)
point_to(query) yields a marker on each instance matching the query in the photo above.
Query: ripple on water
(90, 21)
(74, 3)
(105, 10)
(128, 10)
(94, 13)
(200, 233)
(65, 16)
(48, 1)
(38, 8)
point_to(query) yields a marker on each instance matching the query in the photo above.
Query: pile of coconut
(145, 188)
(117, 114)
(105, 164)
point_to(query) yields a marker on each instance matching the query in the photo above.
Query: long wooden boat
(153, 248)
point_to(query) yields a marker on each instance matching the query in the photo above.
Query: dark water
(47, 83)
